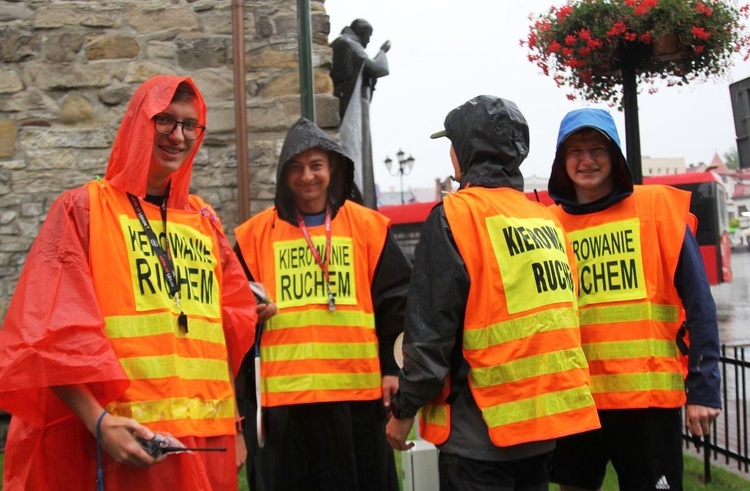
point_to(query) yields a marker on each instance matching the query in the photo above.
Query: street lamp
(405, 166)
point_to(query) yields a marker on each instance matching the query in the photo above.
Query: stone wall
(69, 68)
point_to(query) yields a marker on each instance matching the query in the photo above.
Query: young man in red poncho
(129, 319)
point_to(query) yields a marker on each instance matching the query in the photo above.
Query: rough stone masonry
(68, 69)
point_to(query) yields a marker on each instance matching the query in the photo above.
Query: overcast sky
(445, 52)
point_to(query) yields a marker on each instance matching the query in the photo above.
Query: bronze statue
(354, 76)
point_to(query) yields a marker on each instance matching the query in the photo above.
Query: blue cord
(99, 470)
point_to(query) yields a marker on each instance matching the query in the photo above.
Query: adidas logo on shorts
(662, 483)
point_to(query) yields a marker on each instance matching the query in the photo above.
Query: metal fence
(728, 441)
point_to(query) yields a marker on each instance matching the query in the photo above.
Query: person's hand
(386, 46)
(240, 451)
(265, 311)
(396, 432)
(699, 419)
(118, 440)
(390, 387)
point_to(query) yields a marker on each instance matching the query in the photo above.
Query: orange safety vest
(629, 308)
(527, 373)
(179, 381)
(308, 352)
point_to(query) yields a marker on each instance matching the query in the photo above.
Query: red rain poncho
(53, 333)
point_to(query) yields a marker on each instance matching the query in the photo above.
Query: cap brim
(439, 134)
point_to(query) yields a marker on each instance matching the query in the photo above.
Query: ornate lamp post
(405, 166)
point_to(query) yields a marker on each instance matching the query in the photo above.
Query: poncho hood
(128, 166)
(491, 138)
(302, 136)
(560, 185)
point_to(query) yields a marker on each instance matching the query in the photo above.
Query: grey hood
(491, 138)
(302, 136)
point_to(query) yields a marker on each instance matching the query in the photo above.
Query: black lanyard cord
(164, 257)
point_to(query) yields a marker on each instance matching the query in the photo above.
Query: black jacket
(491, 139)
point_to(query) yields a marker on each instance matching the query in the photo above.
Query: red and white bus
(708, 203)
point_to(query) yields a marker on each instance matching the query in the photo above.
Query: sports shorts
(464, 474)
(644, 446)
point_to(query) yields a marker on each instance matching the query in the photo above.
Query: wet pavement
(733, 303)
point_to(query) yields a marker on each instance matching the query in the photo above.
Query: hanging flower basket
(583, 44)
(665, 45)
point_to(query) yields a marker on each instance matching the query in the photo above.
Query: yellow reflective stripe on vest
(317, 351)
(285, 320)
(531, 366)
(628, 313)
(137, 326)
(630, 349)
(637, 382)
(436, 414)
(317, 381)
(173, 409)
(538, 407)
(512, 330)
(149, 367)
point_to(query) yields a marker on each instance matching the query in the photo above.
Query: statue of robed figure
(354, 76)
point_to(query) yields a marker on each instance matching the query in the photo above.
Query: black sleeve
(438, 293)
(703, 382)
(389, 288)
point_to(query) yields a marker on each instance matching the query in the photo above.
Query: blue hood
(560, 186)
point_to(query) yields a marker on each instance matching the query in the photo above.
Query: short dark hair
(185, 92)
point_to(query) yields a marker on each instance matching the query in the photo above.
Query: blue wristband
(99, 470)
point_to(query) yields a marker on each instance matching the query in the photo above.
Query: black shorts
(464, 474)
(644, 445)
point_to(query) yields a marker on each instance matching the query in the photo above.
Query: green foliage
(732, 158)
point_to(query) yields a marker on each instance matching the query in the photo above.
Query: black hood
(302, 136)
(560, 185)
(491, 138)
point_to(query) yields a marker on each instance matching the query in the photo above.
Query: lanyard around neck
(322, 262)
(164, 257)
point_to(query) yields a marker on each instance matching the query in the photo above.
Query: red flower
(617, 29)
(700, 33)
(563, 13)
(698, 48)
(584, 34)
(702, 8)
(570, 40)
(554, 47)
(645, 37)
(630, 36)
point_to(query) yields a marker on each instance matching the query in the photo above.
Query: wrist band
(99, 471)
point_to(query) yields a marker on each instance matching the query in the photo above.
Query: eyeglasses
(165, 125)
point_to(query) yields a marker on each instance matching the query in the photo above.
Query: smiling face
(308, 175)
(589, 165)
(170, 151)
